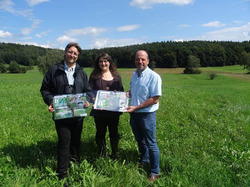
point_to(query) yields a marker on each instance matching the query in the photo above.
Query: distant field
(232, 71)
(203, 132)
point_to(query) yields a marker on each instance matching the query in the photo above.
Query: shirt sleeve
(46, 88)
(156, 85)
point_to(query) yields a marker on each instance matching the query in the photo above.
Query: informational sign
(69, 106)
(111, 101)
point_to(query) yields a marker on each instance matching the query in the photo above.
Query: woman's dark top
(100, 84)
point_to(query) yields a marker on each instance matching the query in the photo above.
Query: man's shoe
(152, 177)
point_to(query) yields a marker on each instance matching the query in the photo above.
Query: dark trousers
(69, 141)
(101, 126)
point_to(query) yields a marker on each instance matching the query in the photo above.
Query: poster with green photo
(111, 100)
(69, 106)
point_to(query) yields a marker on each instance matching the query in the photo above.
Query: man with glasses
(66, 77)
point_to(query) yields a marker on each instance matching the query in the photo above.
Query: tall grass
(203, 132)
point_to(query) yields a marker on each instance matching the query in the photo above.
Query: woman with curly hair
(105, 77)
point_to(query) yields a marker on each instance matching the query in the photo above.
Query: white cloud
(128, 28)
(178, 40)
(28, 43)
(7, 5)
(5, 34)
(238, 22)
(26, 31)
(34, 2)
(108, 42)
(71, 35)
(35, 44)
(146, 4)
(26, 38)
(40, 35)
(63, 39)
(92, 31)
(214, 24)
(47, 45)
(184, 26)
(241, 33)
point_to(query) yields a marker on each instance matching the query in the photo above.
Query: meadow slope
(203, 132)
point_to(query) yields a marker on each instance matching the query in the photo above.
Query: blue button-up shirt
(147, 85)
(70, 73)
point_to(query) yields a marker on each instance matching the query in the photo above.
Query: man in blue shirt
(145, 90)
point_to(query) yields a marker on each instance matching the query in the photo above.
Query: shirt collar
(66, 67)
(143, 72)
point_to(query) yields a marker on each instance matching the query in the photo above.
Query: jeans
(69, 141)
(144, 127)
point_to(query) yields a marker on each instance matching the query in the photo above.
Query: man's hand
(51, 108)
(86, 105)
(149, 102)
(131, 109)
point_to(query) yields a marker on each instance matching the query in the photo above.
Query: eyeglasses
(72, 53)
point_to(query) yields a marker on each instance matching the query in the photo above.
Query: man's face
(71, 55)
(141, 60)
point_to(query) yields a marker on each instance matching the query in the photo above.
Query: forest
(167, 54)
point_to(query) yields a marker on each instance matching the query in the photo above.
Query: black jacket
(55, 82)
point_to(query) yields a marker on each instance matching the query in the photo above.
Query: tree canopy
(167, 54)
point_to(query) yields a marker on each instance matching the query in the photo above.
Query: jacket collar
(61, 66)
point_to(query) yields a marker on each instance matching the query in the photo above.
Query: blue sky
(113, 23)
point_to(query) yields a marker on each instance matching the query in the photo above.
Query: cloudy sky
(112, 23)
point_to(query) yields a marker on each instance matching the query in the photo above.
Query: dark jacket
(55, 82)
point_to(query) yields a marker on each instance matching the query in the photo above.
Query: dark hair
(97, 72)
(76, 45)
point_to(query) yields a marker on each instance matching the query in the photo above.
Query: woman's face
(104, 64)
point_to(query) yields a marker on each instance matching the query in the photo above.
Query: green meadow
(203, 133)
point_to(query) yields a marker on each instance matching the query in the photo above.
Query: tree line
(167, 54)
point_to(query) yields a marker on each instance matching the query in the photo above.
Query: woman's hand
(128, 93)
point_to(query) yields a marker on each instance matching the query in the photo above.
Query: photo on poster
(69, 106)
(111, 101)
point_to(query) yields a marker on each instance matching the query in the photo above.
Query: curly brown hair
(97, 72)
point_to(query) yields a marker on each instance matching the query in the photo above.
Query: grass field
(203, 132)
